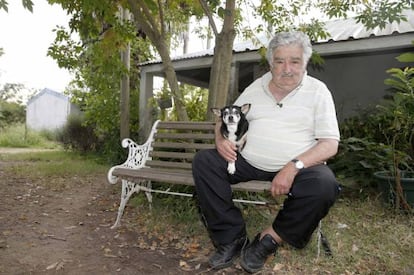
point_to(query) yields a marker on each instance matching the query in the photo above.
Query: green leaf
(3, 5)
(406, 57)
(28, 4)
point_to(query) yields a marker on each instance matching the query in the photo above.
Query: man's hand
(226, 149)
(283, 180)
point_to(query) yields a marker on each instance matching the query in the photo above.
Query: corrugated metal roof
(339, 30)
(347, 29)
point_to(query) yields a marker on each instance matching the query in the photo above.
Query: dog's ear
(245, 108)
(216, 111)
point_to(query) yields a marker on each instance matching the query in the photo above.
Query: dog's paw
(231, 168)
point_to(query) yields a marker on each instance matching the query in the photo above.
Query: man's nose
(286, 67)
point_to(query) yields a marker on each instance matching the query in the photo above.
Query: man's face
(288, 66)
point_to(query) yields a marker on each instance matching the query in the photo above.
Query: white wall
(47, 111)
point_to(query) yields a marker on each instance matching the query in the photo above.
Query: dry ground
(62, 226)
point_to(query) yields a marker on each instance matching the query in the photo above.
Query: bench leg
(148, 194)
(128, 188)
(322, 240)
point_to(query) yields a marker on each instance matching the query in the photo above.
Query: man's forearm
(320, 153)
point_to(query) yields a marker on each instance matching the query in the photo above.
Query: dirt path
(64, 228)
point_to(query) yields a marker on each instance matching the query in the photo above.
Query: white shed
(49, 110)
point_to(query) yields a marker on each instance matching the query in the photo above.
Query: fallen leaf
(182, 263)
(60, 265)
(52, 266)
(70, 227)
(354, 248)
(342, 226)
(278, 267)
(184, 266)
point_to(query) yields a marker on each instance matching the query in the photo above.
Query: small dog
(234, 126)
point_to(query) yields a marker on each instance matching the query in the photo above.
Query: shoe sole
(224, 265)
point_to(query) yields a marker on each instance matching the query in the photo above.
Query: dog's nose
(230, 118)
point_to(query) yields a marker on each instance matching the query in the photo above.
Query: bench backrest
(175, 143)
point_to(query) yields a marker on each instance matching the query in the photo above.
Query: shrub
(11, 113)
(381, 138)
(77, 136)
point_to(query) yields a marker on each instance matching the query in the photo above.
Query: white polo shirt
(279, 133)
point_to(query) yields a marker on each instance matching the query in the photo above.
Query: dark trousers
(313, 192)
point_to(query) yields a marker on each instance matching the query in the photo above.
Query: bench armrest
(137, 154)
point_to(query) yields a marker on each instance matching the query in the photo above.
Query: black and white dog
(234, 126)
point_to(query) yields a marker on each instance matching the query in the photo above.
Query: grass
(54, 163)
(365, 236)
(19, 136)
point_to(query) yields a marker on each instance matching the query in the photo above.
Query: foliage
(16, 92)
(399, 132)
(382, 139)
(196, 103)
(27, 4)
(371, 14)
(77, 136)
(95, 59)
(11, 113)
(368, 139)
(11, 108)
(161, 21)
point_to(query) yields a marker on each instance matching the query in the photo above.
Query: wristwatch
(298, 164)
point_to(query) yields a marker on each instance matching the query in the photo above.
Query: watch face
(299, 164)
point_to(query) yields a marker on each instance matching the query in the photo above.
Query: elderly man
(293, 130)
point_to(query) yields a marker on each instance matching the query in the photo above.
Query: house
(356, 60)
(49, 110)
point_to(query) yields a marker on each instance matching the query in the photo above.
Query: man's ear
(216, 111)
(245, 108)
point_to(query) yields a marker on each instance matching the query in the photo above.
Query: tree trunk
(221, 67)
(125, 96)
(171, 77)
(160, 40)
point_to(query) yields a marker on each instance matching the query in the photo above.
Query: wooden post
(125, 92)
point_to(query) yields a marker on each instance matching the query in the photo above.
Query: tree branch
(146, 21)
(162, 21)
(209, 16)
